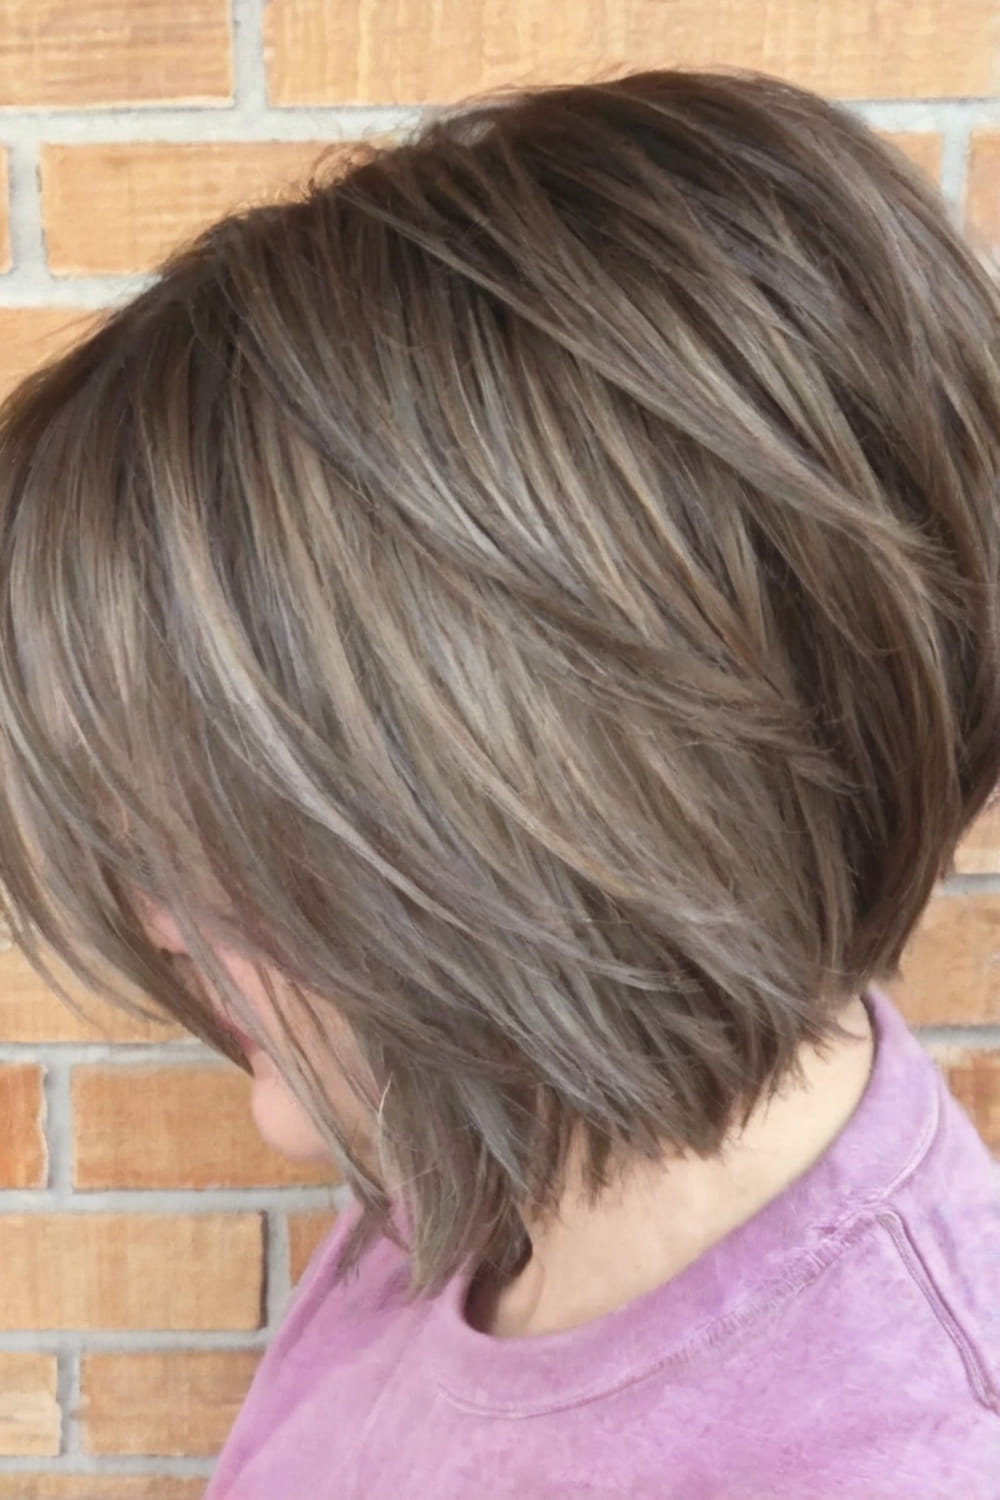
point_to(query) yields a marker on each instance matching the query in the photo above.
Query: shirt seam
(810, 1263)
(981, 1382)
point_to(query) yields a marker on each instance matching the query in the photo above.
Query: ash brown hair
(540, 593)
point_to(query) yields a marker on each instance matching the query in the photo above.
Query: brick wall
(148, 1240)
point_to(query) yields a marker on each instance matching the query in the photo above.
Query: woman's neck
(588, 1259)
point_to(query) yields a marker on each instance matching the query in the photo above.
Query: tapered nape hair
(539, 595)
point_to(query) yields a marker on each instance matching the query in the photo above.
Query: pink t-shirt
(845, 1343)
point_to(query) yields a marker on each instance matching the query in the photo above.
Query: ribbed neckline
(761, 1262)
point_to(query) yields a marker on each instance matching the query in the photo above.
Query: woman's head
(540, 597)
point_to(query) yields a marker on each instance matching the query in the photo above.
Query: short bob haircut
(538, 594)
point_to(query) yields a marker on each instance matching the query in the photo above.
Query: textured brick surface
(979, 852)
(951, 970)
(29, 336)
(23, 1154)
(387, 51)
(176, 1403)
(173, 1128)
(120, 208)
(305, 1234)
(983, 185)
(30, 1419)
(974, 1079)
(98, 1487)
(117, 1271)
(922, 147)
(30, 1012)
(84, 52)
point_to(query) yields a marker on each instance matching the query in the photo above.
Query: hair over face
(540, 595)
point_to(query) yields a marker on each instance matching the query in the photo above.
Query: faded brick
(318, 53)
(31, 1012)
(950, 972)
(114, 1271)
(982, 188)
(30, 336)
(170, 1127)
(29, 1411)
(974, 1079)
(922, 147)
(99, 1487)
(77, 53)
(306, 1232)
(117, 208)
(979, 852)
(23, 1153)
(169, 1404)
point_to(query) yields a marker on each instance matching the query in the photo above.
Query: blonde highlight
(539, 594)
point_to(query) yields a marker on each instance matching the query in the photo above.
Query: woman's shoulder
(329, 1326)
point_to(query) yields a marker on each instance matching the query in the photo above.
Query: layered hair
(538, 594)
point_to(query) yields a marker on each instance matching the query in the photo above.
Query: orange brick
(168, 1404)
(31, 1013)
(30, 1419)
(75, 53)
(982, 189)
(306, 1232)
(30, 336)
(923, 149)
(5, 258)
(118, 208)
(144, 1127)
(151, 1271)
(950, 973)
(979, 852)
(320, 53)
(974, 1079)
(23, 1153)
(99, 1487)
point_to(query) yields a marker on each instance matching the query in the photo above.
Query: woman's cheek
(279, 1117)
